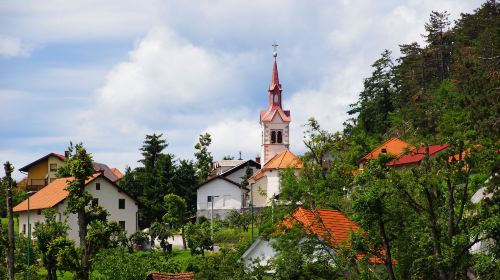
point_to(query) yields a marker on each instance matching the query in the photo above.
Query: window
(98, 186)
(53, 167)
(95, 202)
(280, 137)
(209, 198)
(273, 137)
(24, 228)
(384, 151)
(122, 224)
(121, 203)
(276, 136)
(276, 98)
(39, 212)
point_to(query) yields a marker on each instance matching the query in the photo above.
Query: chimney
(257, 159)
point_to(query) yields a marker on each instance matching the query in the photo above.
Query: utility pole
(212, 218)
(251, 207)
(29, 234)
(10, 254)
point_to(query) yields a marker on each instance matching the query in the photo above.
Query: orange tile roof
(393, 146)
(170, 276)
(117, 172)
(51, 195)
(283, 160)
(331, 225)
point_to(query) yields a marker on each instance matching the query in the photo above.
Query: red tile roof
(393, 146)
(283, 160)
(170, 276)
(331, 225)
(417, 155)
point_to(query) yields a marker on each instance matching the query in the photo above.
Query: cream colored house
(121, 207)
(42, 171)
(265, 184)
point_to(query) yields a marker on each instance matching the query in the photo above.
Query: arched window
(280, 137)
(273, 137)
(276, 99)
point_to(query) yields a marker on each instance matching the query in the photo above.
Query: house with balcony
(43, 171)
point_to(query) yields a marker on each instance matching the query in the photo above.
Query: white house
(121, 207)
(223, 191)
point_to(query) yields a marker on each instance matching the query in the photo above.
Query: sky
(106, 73)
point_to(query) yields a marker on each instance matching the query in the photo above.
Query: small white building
(223, 191)
(121, 207)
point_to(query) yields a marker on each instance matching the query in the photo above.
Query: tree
(375, 212)
(161, 231)
(176, 213)
(228, 157)
(152, 149)
(45, 233)
(198, 237)
(436, 37)
(7, 182)
(185, 183)
(93, 230)
(203, 157)
(376, 100)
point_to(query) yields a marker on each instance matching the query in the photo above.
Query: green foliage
(203, 157)
(160, 175)
(198, 236)
(161, 231)
(119, 264)
(45, 233)
(225, 264)
(175, 210)
(239, 219)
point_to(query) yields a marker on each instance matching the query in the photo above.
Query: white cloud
(12, 47)
(229, 137)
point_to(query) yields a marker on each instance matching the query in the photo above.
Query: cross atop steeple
(275, 53)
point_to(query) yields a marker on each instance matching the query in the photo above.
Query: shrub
(119, 264)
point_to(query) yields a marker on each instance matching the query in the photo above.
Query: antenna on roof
(240, 156)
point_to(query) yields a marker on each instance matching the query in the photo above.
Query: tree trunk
(387, 249)
(82, 233)
(10, 254)
(183, 238)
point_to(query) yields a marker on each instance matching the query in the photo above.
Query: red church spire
(275, 86)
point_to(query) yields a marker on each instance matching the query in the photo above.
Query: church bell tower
(274, 121)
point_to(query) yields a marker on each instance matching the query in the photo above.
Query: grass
(16, 224)
(42, 272)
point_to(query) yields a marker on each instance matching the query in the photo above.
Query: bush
(119, 264)
(198, 236)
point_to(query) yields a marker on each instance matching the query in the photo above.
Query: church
(264, 184)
